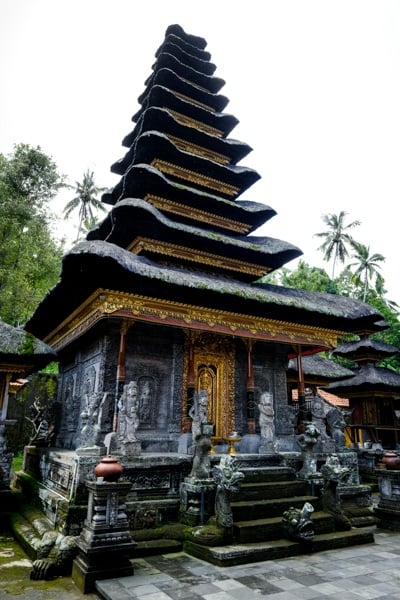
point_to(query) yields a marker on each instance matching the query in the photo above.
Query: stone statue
(128, 413)
(91, 420)
(266, 410)
(228, 479)
(334, 475)
(307, 441)
(201, 433)
(297, 524)
(336, 422)
(55, 554)
(199, 412)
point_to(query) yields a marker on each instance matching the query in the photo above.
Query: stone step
(267, 474)
(260, 530)
(262, 509)
(156, 547)
(272, 489)
(239, 554)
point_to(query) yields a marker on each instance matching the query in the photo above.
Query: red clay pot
(109, 468)
(391, 461)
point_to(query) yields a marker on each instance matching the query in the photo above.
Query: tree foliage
(85, 201)
(30, 257)
(337, 238)
(367, 266)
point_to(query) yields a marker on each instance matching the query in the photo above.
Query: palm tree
(336, 238)
(85, 199)
(367, 266)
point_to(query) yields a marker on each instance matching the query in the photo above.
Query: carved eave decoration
(142, 245)
(107, 303)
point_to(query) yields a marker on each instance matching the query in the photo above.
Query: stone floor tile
(229, 584)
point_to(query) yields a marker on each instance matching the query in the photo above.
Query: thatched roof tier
(97, 264)
(368, 379)
(21, 351)
(167, 78)
(138, 226)
(188, 204)
(317, 370)
(366, 350)
(156, 149)
(224, 150)
(186, 110)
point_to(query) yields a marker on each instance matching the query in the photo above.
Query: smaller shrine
(373, 392)
(20, 354)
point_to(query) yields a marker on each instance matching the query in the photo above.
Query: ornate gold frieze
(196, 214)
(105, 303)
(193, 101)
(141, 244)
(187, 146)
(194, 177)
(189, 122)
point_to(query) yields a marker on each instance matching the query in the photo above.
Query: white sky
(315, 85)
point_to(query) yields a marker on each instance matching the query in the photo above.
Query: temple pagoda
(373, 392)
(166, 290)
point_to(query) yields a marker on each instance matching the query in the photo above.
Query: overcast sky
(315, 85)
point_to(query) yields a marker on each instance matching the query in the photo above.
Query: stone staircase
(266, 493)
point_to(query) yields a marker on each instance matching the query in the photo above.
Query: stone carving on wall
(146, 387)
(128, 413)
(266, 418)
(91, 420)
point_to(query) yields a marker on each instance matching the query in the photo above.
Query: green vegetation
(86, 202)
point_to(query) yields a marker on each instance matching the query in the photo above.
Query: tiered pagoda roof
(368, 377)
(175, 247)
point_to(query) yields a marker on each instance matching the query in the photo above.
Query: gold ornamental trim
(194, 177)
(141, 244)
(196, 214)
(194, 123)
(106, 303)
(193, 101)
(199, 150)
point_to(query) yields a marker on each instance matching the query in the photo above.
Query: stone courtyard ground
(360, 572)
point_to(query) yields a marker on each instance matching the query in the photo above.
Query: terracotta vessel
(109, 468)
(391, 461)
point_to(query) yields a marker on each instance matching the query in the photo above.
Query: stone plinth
(197, 500)
(388, 509)
(105, 544)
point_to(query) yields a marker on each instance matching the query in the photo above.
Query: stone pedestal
(197, 501)
(105, 544)
(388, 509)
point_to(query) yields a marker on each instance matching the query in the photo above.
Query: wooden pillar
(250, 403)
(121, 373)
(190, 382)
(303, 412)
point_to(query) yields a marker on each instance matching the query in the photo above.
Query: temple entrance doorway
(213, 370)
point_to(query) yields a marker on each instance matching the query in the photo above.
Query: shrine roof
(185, 56)
(180, 39)
(97, 264)
(318, 369)
(366, 349)
(167, 60)
(135, 218)
(160, 119)
(368, 378)
(142, 180)
(19, 347)
(219, 122)
(169, 79)
(155, 148)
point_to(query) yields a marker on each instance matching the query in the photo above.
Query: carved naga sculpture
(297, 524)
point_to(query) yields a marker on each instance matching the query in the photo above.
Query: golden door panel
(213, 366)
